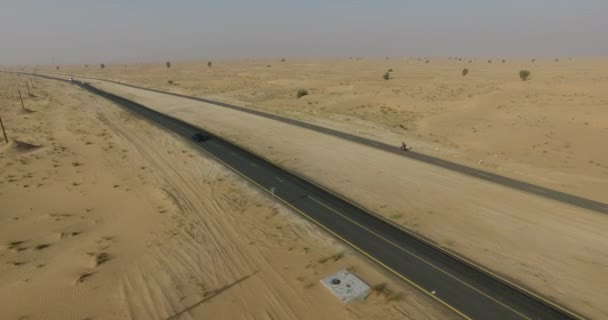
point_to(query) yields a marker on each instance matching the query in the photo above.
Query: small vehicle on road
(199, 137)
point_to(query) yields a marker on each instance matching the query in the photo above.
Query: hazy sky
(87, 31)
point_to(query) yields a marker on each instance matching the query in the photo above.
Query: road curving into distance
(464, 288)
(555, 195)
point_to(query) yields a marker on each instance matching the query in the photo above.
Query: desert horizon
(319, 160)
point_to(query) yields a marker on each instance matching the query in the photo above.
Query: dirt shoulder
(555, 249)
(108, 217)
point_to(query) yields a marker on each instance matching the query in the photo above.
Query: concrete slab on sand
(347, 286)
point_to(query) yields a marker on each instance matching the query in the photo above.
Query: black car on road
(199, 137)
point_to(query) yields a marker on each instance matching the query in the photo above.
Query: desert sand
(105, 216)
(549, 130)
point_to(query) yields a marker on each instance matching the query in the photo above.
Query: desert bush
(268, 66)
(390, 70)
(301, 93)
(465, 71)
(168, 64)
(57, 67)
(533, 60)
(489, 61)
(504, 61)
(470, 61)
(86, 65)
(209, 64)
(103, 66)
(556, 59)
(386, 76)
(524, 75)
(427, 61)
(283, 60)
(170, 82)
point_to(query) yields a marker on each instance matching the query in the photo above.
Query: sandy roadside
(557, 250)
(107, 217)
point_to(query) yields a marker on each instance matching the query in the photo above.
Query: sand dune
(107, 217)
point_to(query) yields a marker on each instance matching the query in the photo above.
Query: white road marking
(281, 180)
(253, 164)
(483, 174)
(542, 191)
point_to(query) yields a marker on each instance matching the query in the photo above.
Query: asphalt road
(466, 289)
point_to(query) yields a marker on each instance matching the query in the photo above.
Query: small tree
(103, 66)
(504, 61)
(301, 93)
(57, 67)
(283, 60)
(168, 64)
(390, 70)
(170, 82)
(465, 71)
(386, 76)
(489, 61)
(427, 61)
(209, 64)
(86, 65)
(524, 75)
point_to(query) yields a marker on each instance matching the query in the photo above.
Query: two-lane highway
(461, 287)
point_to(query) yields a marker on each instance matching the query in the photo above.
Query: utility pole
(4, 132)
(22, 105)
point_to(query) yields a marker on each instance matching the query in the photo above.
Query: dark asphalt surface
(468, 291)
(537, 190)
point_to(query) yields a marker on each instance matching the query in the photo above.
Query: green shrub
(465, 71)
(386, 76)
(170, 82)
(168, 64)
(209, 64)
(301, 93)
(524, 75)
